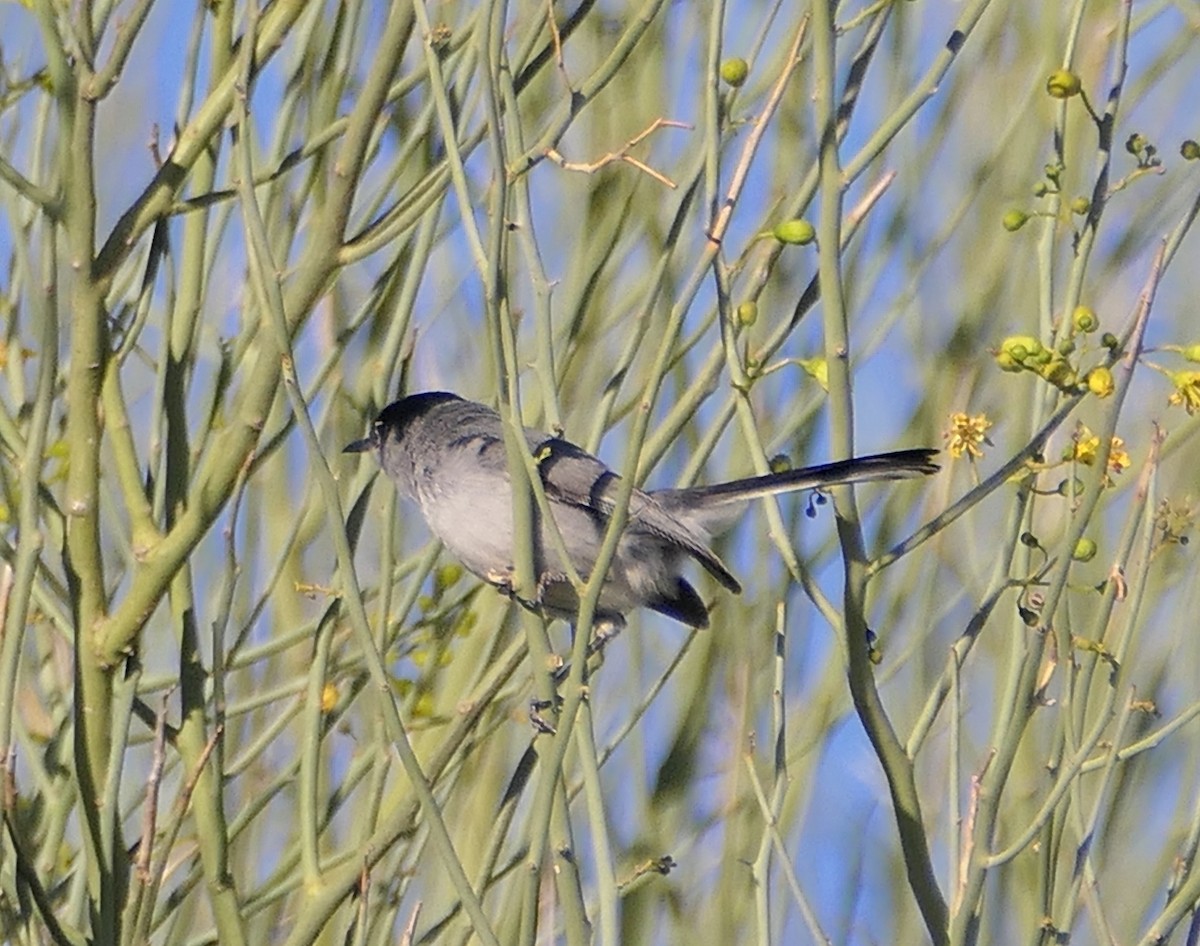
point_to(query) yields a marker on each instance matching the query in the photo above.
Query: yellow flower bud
(1085, 550)
(1059, 373)
(1021, 347)
(329, 697)
(1007, 362)
(1189, 352)
(1063, 84)
(1084, 319)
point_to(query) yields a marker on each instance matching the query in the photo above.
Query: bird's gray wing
(572, 475)
(484, 437)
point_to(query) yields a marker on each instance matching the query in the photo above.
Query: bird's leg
(503, 583)
(606, 629)
(539, 722)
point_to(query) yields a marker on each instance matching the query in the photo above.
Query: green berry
(1085, 550)
(1190, 150)
(747, 313)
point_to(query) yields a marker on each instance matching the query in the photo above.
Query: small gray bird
(447, 454)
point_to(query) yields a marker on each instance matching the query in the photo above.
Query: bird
(447, 455)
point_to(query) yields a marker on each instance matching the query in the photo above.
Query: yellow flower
(1100, 382)
(1187, 390)
(966, 433)
(1118, 458)
(1063, 84)
(1087, 445)
(817, 369)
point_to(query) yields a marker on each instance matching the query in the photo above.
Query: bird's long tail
(902, 464)
(714, 509)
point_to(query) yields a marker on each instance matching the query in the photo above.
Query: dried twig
(622, 154)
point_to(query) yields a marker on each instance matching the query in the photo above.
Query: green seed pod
(1070, 487)
(734, 72)
(747, 313)
(1014, 220)
(795, 232)
(1085, 550)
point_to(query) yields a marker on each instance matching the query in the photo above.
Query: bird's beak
(359, 446)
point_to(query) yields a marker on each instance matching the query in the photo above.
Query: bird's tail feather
(902, 464)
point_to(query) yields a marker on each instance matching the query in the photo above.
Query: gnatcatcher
(447, 454)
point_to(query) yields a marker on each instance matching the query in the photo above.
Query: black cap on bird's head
(396, 416)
